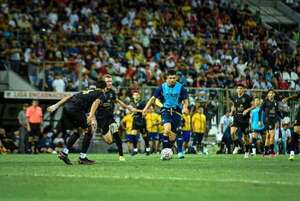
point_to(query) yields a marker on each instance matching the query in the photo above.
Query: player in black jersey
(139, 122)
(272, 117)
(105, 116)
(296, 133)
(240, 108)
(74, 117)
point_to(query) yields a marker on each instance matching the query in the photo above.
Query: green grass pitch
(142, 178)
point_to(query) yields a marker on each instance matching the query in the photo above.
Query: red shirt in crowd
(34, 114)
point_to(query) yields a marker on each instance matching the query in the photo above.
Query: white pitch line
(246, 181)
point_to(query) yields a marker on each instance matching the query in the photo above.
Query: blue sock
(179, 141)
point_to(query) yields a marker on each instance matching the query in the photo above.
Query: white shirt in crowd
(59, 85)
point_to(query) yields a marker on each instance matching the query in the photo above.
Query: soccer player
(139, 122)
(240, 108)
(131, 137)
(174, 98)
(152, 124)
(257, 126)
(74, 117)
(296, 133)
(198, 128)
(272, 115)
(104, 110)
(186, 131)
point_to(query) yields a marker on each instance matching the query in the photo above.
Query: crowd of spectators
(211, 44)
(295, 4)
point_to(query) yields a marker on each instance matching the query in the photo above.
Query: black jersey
(298, 112)
(241, 104)
(270, 109)
(108, 103)
(82, 101)
(140, 106)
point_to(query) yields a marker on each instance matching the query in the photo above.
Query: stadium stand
(64, 45)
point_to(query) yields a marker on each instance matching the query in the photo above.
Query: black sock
(236, 143)
(86, 142)
(134, 143)
(254, 143)
(240, 143)
(166, 143)
(72, 140)
(35, 144)
(118, 142)
(247, 147)
(146, 139)
(171, 144)
(272, 148)
(266, 149)
(29, 147)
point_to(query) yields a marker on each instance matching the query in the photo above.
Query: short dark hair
(171, 72)
(270, 90)
(240, 85)
(101, 84)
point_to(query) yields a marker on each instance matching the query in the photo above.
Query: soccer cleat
(121, 158)
(180, 155)
(246, 155)
(236, 150)
(64, 157)
(134, 153)
(86, 161)
(292, 157)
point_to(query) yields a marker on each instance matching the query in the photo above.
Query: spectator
(23, 138)
(58, 84)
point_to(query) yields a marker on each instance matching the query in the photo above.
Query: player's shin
(179, 141)
(165, 142)
(71, 141)
(118, 142)
(85, 144)
(146, 140)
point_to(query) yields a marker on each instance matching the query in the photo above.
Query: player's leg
(254, 142)
(186, 140)
(35, 137)
(176, 127)
(271, 141)
(295, 141)
(129, 139)
(247, 145)
(234, 138)
(267, 143)
(146, 140)
(200, 144)
(195, 142)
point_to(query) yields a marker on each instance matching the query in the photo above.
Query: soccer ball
(166, 154)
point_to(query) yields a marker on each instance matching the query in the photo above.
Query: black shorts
(270, 124)
(35, 130)
(297, 122)
(73, 119)
(104, 123)
(140, 125)
(241, 122)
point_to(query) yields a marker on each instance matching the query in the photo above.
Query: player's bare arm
(185, 105)
(129, 107)
(54, 107)
(149, 103)
(93, 110)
